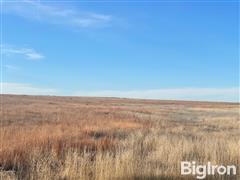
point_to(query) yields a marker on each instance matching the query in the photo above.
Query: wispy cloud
(198, 94)
(44, 12)
(26, 52)
(11, 67)
(205, 94)
(25, 89)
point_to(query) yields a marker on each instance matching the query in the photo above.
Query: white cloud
(44, 12)
(196, 94)
(25, 89)
(206, 94)
(26, 52)
(11, 67)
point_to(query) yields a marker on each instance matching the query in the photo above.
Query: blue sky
(157, 50)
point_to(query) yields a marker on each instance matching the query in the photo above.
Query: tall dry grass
(97, 138)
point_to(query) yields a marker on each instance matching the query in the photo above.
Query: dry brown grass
(106, 138)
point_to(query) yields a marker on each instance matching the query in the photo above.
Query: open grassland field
(108, 138)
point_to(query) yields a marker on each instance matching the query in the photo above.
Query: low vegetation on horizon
(67, 138)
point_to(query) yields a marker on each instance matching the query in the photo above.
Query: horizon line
(124, 98)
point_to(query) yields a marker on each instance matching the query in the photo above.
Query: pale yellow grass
(99, 138)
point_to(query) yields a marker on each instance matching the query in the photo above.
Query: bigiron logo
(201, 171)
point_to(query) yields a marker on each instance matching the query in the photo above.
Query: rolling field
(44, 137)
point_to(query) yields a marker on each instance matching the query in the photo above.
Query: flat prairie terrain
(47, 137)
